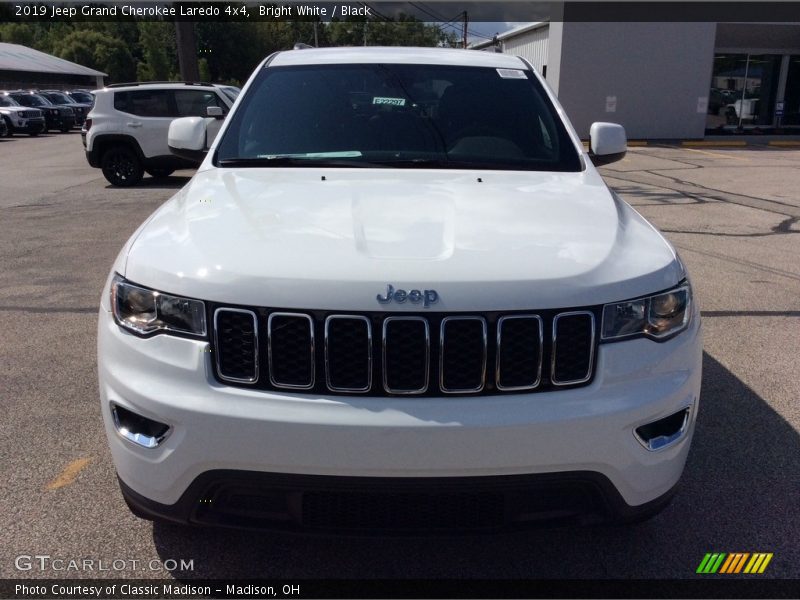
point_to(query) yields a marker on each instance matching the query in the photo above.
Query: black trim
(195, 157)
(303, 503)
(599, 160)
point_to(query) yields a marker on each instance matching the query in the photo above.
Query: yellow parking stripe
(712, 143)
(788, 143)
(69, 474)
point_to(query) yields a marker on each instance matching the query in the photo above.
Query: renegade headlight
(145, 311)
(659, 316)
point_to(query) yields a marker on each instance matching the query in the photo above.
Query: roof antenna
(302, 46)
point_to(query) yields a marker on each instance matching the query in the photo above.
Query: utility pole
(187, 50)
(466, 22)
(316, 37)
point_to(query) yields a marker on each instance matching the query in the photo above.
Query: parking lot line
(69, 474)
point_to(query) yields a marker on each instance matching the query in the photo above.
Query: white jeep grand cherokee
(397, 295)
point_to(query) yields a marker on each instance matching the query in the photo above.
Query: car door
(147, 115)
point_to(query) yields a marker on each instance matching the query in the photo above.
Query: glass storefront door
(743, 92)
(791, 97)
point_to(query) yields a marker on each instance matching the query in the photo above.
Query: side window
(193, 103)
(143, 103)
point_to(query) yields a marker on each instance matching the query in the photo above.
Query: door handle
(133, 124)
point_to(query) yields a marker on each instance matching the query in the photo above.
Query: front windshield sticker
(511, 73)
(389, 101)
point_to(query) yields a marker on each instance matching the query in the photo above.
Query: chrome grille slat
(445, 369)
(538, 342)
(556, 359)
(389, 359)
(330, 323)
(282, 380)
(247, 349)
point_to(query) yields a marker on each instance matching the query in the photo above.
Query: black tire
(9, 127)
(121, 167)
(159, 172)
(65, 129)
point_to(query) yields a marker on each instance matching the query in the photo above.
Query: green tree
(98, 51)
(17, 33)
(159, 60)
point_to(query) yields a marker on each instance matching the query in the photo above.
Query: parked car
(18, 118)
(125, 133)
(397, 295)
(59, 98)
(81, 96)
(61, 118)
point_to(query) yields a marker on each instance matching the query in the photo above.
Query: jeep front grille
(386, 354)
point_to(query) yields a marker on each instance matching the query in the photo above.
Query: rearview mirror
(214, 111)
(187, 138)
(607, 143)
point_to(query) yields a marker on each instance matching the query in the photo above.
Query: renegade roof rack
(134, 83)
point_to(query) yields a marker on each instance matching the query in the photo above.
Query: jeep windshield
(57, 98)
(31, 100)
(397, 115)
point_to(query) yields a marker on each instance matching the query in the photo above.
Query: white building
(668, 80)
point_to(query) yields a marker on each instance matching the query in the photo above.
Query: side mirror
(214, 111)
(187, 138)
(607, 143)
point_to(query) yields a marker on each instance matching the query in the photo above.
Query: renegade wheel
(121, 167)
(160, 173)
(9, 128)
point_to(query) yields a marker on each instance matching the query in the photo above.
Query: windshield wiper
(294, 161)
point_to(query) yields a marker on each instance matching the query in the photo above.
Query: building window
(743, 92)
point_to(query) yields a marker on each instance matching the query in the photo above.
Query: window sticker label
(389, 101)
(511, 73)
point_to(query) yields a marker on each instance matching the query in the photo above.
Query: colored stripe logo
(734, 562)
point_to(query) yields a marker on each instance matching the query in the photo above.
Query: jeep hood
(334, 238)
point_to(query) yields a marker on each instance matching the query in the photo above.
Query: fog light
(138, 429)
(664, 432)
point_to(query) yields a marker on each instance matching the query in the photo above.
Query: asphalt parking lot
(733, 214)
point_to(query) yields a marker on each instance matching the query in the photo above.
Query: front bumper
(566, 434)
(29, 125)
(59, 121)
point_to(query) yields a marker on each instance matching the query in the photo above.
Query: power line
(442, 22)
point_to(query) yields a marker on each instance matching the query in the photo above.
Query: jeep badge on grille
(427, 297)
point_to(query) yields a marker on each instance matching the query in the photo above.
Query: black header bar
(379, 10)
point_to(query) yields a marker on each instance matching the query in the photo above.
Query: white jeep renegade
(397, 295)
(125, 133)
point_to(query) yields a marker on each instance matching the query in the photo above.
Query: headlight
(145, 311)
(659, 316)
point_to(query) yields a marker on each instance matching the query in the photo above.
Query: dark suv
(59, 98)
(56, 117)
